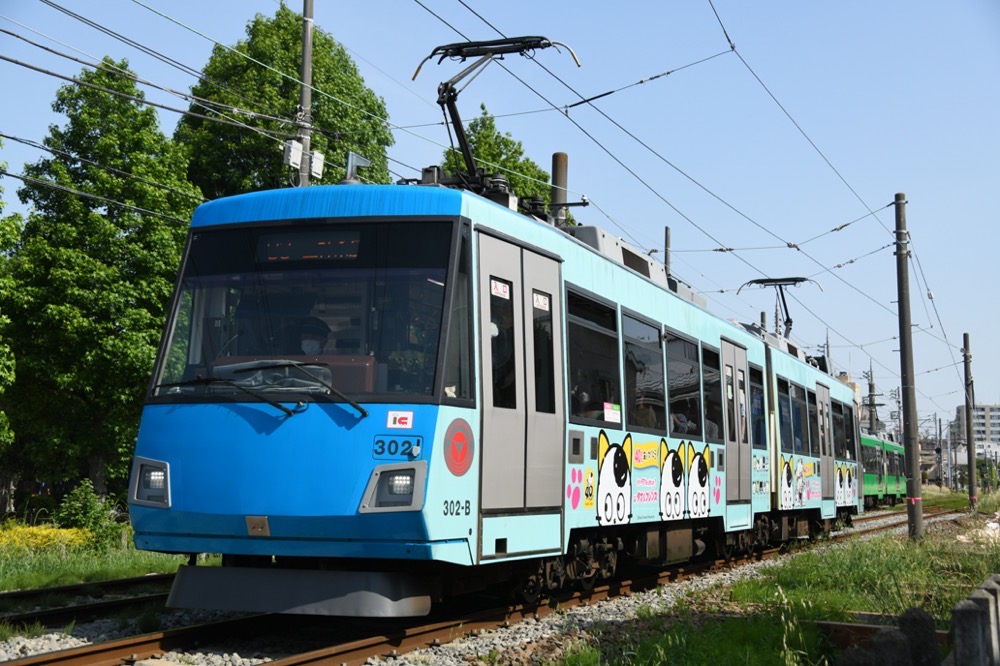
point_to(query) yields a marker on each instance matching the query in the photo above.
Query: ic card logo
(399, 419)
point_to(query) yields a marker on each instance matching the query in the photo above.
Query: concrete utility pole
(305, 92)
(911, 446)
(970, 441)
(939, 460)
(560, 181)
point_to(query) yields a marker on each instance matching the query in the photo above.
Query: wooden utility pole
(305, 92)
(911, 445)
(970, 440)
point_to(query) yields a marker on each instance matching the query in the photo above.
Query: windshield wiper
(207, 381)
(301, 367)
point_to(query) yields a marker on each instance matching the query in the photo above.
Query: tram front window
(357, 306)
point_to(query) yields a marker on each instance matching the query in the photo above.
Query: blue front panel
(306, 473)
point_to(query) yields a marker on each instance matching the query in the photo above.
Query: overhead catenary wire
(139, 100)
(794, 122)
(110, 169)
(825, 268)
(87, 195)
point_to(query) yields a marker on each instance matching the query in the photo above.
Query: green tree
(92, 279)
(10, 227)
(226, 159)
(500, 153)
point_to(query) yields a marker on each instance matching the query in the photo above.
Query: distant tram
(884, 471)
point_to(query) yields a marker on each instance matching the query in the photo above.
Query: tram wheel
(586, 584)
(530, 590)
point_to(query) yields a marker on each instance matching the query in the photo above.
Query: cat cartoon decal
(671, 483)
(839, 493)
(697, 481)
(787, 484)
(614, 481)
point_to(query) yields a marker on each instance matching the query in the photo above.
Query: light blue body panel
(739, 517)
(534, 535)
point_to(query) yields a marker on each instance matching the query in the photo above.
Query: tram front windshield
(303, 308)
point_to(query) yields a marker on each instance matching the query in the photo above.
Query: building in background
(985, 424)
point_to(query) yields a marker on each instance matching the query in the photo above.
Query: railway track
(340, 641)
(82, 602)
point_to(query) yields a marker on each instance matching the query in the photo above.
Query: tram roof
(321, 201)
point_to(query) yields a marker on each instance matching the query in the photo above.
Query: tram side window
(645, 407)
(839, 431)
(545, 386)
(785, 416)
(758, 417)
(869, 460)
(683, 387)
(800, 427)
(712, 388)
(502, 344)
(731, 404)
(851, 443)
(813, 424)
(457, 368)
(595, 392)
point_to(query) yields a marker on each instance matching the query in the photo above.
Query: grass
(21, 569)
(767, 620)
(8, 631)
(688, 637)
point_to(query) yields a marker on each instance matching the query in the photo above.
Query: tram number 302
(457, 508)
(394, 448)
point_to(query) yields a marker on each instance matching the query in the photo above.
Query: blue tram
(369, 397)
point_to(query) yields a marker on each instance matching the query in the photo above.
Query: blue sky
(822, 113)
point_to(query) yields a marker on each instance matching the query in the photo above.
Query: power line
(56, 186)
(138, 100)
(795, 123)
(117, 172)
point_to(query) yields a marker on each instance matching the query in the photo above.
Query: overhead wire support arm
(485, 52)
(779, 284)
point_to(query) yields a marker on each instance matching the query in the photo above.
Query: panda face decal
(698, 483)
(614, 482)
(787, 492)
(840, 485)
(671, 485)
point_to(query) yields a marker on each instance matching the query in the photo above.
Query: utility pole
(560, 181)
(872, 405)
(911, 447)
(940, 463)
(304, 115)
(970, 441)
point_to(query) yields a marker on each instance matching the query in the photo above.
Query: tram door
(738, 450)
(520, 324)
(826, 472)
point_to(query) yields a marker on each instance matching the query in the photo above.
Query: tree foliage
(227, 160)
(500, 153)
(92, 279)
(9, 230)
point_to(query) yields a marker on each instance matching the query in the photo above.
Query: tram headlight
(153, 478)
(395, 487)
(400, 483)
(150, 485)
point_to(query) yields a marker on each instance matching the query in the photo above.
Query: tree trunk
(8, 484)
(99, 475)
